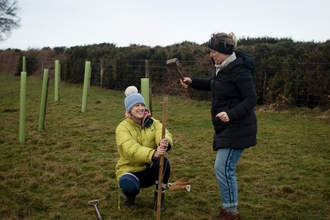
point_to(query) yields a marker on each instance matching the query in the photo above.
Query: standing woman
(234, 120)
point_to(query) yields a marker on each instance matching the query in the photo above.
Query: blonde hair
(225, 38)
(223, 42)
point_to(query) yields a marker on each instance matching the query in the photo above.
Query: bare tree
(8, 18)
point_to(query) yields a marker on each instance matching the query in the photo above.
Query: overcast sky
(55, 23)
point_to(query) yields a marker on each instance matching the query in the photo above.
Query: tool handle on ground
(98, 213)
(94, 203)
(161, 163)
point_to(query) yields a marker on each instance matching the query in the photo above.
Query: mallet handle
(180, 74)
(161, 163)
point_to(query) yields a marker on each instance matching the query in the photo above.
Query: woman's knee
(129, 184)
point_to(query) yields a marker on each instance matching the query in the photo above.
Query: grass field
(59, 169)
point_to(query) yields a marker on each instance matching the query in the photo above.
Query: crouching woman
(140, 145)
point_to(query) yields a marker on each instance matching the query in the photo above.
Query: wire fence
(278, 84)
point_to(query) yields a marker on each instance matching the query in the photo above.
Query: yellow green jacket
(136, 144)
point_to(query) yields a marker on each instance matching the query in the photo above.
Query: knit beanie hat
(221, 47)
(223, 43)
(132, 98)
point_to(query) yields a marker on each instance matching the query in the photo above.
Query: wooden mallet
(175, 64)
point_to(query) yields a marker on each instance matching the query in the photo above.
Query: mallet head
(173, 63)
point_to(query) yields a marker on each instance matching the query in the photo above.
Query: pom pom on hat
(132, 98)
(130, 90)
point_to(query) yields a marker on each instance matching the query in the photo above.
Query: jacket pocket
(219, 125)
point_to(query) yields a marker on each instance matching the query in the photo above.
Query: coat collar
(146, 120)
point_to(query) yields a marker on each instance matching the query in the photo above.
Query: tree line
(288, 73)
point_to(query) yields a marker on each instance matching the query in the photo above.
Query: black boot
(162, 204)
(129, 201)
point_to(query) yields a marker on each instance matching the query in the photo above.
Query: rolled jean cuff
(230, 205)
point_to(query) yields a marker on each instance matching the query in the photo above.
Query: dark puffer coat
(233, 92)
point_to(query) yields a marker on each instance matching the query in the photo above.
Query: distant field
(57, 170)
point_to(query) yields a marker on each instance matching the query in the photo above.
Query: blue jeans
(224, 168)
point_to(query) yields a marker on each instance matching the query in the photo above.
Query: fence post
(8, 64)
(24, 64)
(89, 80)
(101, 74)
(148, 75)
(42, 65)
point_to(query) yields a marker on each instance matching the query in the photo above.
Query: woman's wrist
(155, 156)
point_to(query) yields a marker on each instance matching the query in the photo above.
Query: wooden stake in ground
(161, 164)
